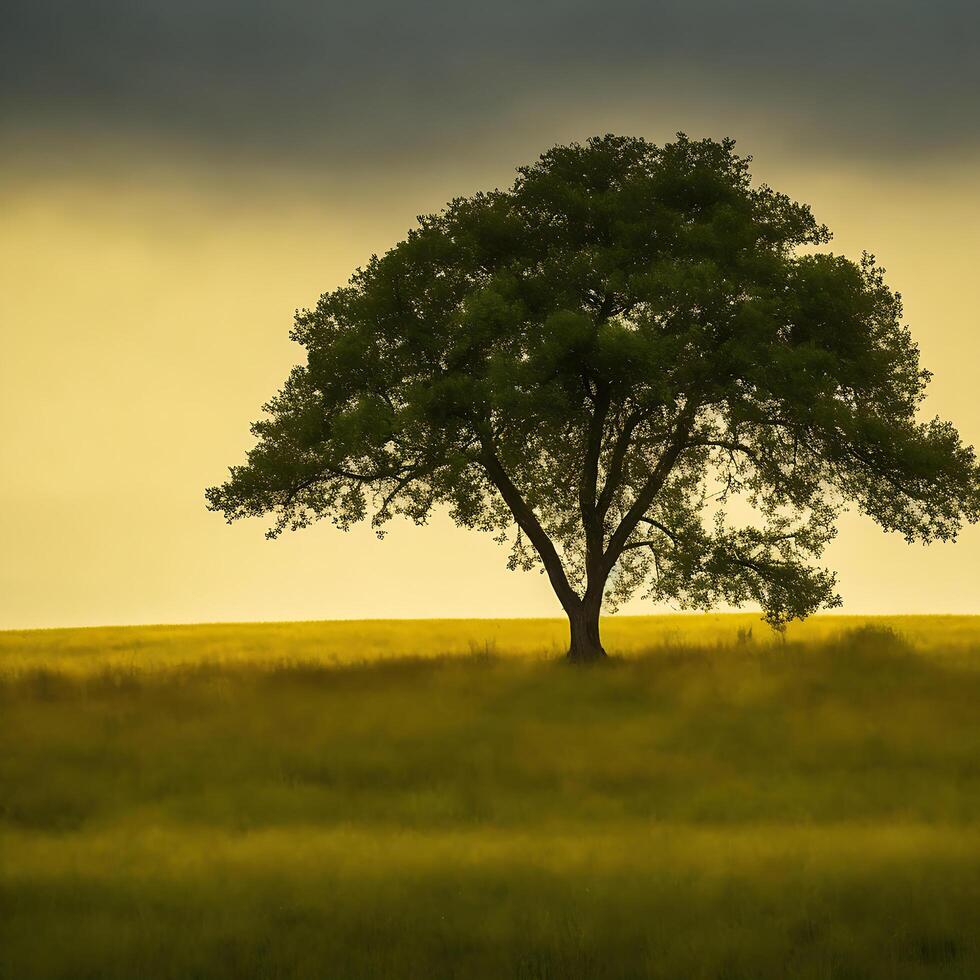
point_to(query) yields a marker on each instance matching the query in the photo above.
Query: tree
(605, 365)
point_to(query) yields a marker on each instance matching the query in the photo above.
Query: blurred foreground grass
(441, 799)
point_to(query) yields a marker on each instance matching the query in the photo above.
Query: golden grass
(449, 799)
(89, 650)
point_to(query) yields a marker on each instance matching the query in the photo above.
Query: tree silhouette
(606, 365)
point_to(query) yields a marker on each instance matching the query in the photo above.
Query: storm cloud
(311, 81)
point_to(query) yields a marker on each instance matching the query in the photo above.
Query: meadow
(428, 799)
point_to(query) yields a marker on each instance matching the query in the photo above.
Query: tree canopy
(635, 367)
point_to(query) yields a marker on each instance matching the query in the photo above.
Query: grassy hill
(446, 799)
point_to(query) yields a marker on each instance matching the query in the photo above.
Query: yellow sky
(145, 320)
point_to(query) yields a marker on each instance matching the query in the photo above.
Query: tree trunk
(585, 646)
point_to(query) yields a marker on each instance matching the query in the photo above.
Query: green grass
(295, 800)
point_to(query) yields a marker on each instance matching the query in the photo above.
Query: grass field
(447, 799)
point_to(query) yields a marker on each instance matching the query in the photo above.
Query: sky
(177, 178)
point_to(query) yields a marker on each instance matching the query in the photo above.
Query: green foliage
(618, 355)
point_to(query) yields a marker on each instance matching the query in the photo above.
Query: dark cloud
(309, 80)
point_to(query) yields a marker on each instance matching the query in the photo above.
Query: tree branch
(730, 446)
(638, 544)
(660, 527)
(413, 474)
(650, 489)
(591, 521)
(615, 470)
(529, 524)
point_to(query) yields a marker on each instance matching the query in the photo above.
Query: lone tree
(605, 365)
